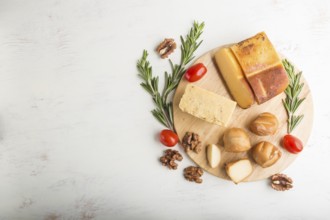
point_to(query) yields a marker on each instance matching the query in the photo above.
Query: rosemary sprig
(292, 100)
(163, 111)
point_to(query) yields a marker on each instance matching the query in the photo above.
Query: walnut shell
(265, 124)
(236, 140)
(266, 154)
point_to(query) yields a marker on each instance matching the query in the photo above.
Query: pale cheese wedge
(213, 154)
(239, 170)
(207, 105)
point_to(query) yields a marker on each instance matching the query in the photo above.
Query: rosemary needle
(292, 100)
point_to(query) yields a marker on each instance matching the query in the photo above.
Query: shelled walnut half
(165, 48)
(191, 141)
(169, 158)
(281, 182)
(193, 174)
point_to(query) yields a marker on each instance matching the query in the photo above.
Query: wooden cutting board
(213, 134)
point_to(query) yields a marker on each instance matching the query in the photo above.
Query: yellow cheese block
(262, 67)
(233, 75)
(207, 105)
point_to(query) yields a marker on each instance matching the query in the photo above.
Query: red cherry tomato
(195, 72)
(168, 138)
(292, 144)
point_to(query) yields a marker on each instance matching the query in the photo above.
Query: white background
(77, 137)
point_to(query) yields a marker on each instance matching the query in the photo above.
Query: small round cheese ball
(266, 154)
(265, 124)
(236, 140)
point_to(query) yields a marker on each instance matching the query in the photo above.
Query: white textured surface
(78, 140)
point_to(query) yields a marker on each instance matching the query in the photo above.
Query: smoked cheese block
(234, 77)
(261, 66)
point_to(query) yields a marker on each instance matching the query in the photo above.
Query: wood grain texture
(213, 134)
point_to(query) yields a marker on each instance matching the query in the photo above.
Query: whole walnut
(265, 124)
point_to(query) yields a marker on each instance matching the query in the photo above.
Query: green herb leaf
(292, 101)
(164, 109)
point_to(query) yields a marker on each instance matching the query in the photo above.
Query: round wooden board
(212, 134)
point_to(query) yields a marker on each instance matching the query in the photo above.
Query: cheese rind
(269, 82)
(262, 67)
(233, 75)
(207, 105)
(255, 54)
